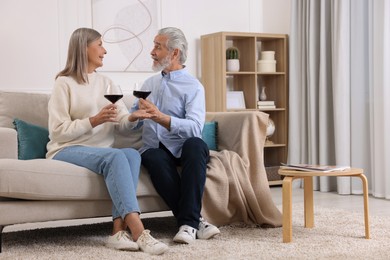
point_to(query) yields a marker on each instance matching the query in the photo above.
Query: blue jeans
(119, 167)
(182, 192)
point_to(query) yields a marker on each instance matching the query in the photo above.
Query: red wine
(113, 98)
(141, 94)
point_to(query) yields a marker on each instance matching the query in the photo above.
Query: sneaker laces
(147, 238)
(123, 234)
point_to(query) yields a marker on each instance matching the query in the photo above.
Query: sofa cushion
(44, 179)
(210, 135)
(32, 140)
(30, 107)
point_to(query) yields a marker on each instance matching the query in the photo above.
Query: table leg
(287, 209)
(365, 196)
(308, 201)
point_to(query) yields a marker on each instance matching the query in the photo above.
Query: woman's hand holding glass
(108, 113)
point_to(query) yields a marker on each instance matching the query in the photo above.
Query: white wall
(35, 34)
(29, 53)
(276, 16)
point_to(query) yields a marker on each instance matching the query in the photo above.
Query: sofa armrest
(8, 143)
(244, 133)
(237, 128)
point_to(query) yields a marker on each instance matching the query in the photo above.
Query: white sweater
(70, 107)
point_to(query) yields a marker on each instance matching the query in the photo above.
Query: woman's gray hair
(77, 61)
(176, 40)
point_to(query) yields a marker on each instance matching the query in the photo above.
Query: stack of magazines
(314, 167)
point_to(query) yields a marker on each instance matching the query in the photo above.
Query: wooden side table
(290, 175)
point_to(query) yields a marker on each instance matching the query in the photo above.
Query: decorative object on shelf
(270, 131)
(235, 100)
(267, 62)
(263, 95)
(232, 59)
(267, 55)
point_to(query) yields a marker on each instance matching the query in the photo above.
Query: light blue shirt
(181, 96)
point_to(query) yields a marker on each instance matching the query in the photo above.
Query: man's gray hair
(176, 40)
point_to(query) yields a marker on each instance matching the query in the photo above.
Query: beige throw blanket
(237, 188)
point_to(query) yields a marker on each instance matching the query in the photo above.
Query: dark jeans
(181, 191)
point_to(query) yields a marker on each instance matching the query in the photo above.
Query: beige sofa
(45, 190)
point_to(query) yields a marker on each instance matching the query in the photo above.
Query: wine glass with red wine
(113, 93)
(138, 93)
(141, 93)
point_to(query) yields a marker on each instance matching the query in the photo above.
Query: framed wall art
(128, 28)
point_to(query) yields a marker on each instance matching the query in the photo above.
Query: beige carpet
(337, 235)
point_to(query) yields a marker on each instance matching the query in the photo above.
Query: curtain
(338, 84)
(379, 95)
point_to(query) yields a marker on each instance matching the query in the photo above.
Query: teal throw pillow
(210, 135)
(32, 140)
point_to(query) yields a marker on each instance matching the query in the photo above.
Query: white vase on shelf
(263, 95)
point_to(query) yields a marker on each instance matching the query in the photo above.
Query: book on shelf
(266, 107)
(266, 103)
(314, 167)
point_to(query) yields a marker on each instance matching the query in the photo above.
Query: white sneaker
(206, 230)
(150, 245)
(122, 241)
(185, 235)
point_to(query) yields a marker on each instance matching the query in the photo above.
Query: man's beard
(165, 63)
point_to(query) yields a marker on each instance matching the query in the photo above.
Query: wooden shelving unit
(217, 81)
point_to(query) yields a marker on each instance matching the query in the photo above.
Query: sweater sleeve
(61, 126)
